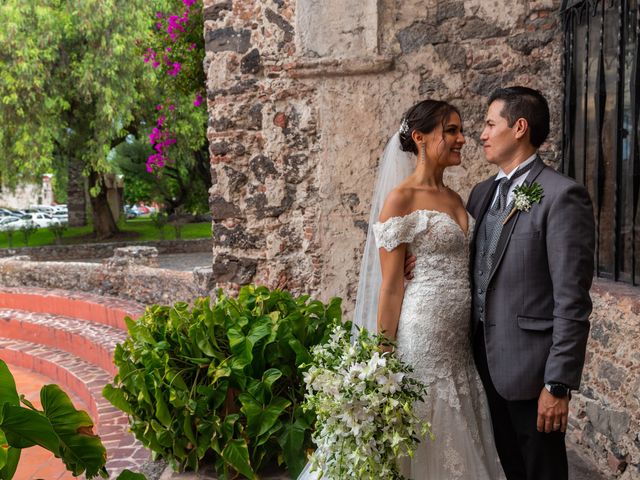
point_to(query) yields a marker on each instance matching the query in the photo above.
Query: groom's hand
(553, 413)
(409, 265)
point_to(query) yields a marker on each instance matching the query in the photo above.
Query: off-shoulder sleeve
(397, 230)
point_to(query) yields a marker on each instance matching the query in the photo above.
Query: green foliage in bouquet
(222, 379)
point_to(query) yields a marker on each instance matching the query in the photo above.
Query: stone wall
(605, 414)
(131, 279)
(87, 251)
(302, 97)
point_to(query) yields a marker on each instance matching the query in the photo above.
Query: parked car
(9, 222)
(41, 219)
(62, 217)
(6, 212)
(62, 208)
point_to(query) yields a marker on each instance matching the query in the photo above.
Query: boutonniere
(524, 197)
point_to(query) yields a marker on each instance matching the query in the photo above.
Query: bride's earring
(423, 153)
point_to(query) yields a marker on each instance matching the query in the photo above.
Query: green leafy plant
(27, 230)
(159, 220)
(222, 379)
(9, 232)
(59, 428)
(58, 229)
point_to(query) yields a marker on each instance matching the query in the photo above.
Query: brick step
(92, 342)
(86, 381)
(109, 311)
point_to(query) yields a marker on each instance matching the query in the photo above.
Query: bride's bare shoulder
(397, 204)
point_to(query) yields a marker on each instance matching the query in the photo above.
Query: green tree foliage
(71, 83)
(178, 185)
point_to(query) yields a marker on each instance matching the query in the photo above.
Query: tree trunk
(104, 226)
(76, 193)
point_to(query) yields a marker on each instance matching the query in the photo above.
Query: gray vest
(480, 266)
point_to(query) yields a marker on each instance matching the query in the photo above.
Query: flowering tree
(71, 85)
(175, 53)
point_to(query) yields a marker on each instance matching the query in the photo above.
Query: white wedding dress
(434, 337)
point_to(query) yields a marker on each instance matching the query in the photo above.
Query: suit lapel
(507, 230)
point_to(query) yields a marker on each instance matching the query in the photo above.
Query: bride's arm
(392, 268)
(391, 290)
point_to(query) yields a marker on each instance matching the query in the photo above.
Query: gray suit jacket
(537, 303)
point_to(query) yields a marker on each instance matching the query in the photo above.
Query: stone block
(216, 11)
(251, 62)
(418, 35)
(229, 268)
(227, 39)
(221, 208)
(135, 255)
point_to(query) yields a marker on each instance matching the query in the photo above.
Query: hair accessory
(404, 127)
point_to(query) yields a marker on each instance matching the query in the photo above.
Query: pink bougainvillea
(173, 57)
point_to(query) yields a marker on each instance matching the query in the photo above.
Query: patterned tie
(504, 186)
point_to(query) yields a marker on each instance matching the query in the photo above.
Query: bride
(414, 212)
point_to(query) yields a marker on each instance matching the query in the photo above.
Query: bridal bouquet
(363, 399)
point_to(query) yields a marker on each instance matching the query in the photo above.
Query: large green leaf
(117, 398)
(260, 418)
(292, 443)
(129, 475)
(8, 393)
(236, 454)
(80, 449)
(11, 463)
(24, 428)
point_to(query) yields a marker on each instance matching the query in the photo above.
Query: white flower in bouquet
(363, 399)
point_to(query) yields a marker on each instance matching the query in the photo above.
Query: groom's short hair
(527, 103)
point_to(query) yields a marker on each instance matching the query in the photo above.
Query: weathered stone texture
(605, 414)
(299, 119)
(126, 276)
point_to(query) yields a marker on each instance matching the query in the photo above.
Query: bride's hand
(409, 265)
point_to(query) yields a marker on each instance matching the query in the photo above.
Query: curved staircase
(70, 338)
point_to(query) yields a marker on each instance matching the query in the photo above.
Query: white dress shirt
(517, 182)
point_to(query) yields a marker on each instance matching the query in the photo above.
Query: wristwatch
(558, 390)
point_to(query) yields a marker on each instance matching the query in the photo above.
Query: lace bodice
(440, 245)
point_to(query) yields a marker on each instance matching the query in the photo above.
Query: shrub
(159, 220)
(58, 229)
(27, 230)
(222, 379)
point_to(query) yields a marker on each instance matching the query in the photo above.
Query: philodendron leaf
(270, 377)
(236, 454)
(80, 449)
(292, 443)
(260, 418)
(8, 393)
(4, 451)
(25, 428)
(129, 475)
(11, 457)
(117, 398)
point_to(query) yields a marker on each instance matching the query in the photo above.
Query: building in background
(27, 194)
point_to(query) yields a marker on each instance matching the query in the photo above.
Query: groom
(532, 267)
(531, 274)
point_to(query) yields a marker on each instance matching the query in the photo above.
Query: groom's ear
(521, 128)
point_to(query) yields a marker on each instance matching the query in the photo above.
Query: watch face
(558, 391)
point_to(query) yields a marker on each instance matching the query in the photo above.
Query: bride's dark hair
(423, 117)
